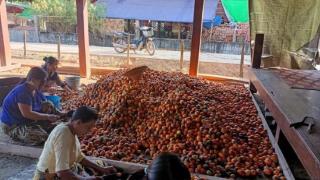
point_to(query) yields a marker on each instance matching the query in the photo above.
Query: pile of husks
(213, 126)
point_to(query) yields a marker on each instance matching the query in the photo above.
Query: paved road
(109, 51)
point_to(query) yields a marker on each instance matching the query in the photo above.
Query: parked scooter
(120, 41)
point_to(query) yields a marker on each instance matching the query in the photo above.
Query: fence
(106, 41)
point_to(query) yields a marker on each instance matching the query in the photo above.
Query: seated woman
(62, 151)
(19, 117)
(166, 166)
(51, 66)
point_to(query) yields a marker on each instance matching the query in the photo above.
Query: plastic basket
(73, 82)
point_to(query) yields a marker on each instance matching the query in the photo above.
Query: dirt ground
(212, 68)
(23, 71)
(16, 167)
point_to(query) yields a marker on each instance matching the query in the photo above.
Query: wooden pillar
(159, 29)
(257, 51)
(242, 59)
(83, 37)
(196, 37)
(5, 53)
(137, 29)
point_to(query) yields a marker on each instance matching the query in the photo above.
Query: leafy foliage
(65, 14)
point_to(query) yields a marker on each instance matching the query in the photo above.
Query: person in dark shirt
(165, 166)
(20, 116)
(51, 66)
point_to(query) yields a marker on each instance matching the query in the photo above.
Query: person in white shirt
(62, 151)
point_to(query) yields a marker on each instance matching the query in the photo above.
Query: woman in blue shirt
(20, 117)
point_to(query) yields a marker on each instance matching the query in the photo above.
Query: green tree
(64, 11)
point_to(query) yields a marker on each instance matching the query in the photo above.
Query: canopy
(16, 7)
(237, 10)
(26, 14)
(157, 10)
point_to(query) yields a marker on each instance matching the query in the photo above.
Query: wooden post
(159, 28)
(257, 51)
(196, 37)
(242, 60)
(128, 25)
(211, 29)
(59, 46)
(234, 35)
(181, 54)
(36, 26)
(5, 53)
(25, 44)
(83, 38)
(128, 50)
(181, 46)
(137, 29)
(179, 33)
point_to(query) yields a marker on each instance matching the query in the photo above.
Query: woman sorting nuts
(21, 116)
(51, 66)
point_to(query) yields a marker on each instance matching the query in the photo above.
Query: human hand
(52, 117)
(62, 113)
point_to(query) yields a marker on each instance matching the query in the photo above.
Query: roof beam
(196, 37)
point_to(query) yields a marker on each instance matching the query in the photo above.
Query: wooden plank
(10, 67)
(257, 52)
(83, 37)
(26, 151)
(282, 95)
(305, 145)
(5, 52)
(222, 78)
(35, 152)
(282, 161)
(196, 37)
(106, 70)
(75, 70)
(278, 131)
(128, 166)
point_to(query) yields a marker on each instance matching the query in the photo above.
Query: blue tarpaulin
(215, 22)
(157, 10)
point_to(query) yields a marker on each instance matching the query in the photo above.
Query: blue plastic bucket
(55, 100)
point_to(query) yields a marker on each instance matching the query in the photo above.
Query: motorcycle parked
(120, 41)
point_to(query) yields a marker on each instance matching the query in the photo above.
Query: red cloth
(300, 79)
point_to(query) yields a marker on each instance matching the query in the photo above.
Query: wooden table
(289, 106)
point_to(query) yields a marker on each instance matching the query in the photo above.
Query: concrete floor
(16, 167)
